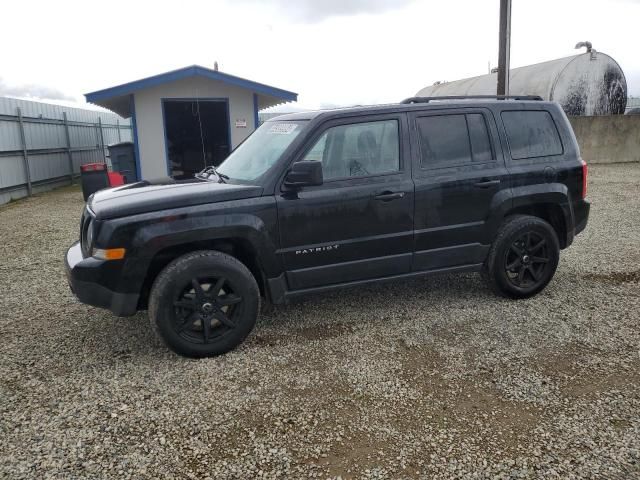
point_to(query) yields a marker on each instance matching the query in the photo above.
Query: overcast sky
(331, 52)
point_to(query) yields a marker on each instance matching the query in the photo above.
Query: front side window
(261, 150)
(531, 133)
(357, 150)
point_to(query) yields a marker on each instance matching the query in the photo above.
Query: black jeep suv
(330, 199)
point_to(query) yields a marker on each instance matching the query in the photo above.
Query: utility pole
(504, 48)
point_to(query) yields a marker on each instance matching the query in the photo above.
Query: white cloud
(313, 11)
(360, 52)
(34, 91)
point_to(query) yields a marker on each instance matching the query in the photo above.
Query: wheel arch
(237, 247)
(552, 213)
(549, 202)
(154, 240)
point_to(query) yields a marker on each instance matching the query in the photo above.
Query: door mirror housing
(305, 173)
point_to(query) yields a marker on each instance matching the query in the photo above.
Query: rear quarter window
(531, 133)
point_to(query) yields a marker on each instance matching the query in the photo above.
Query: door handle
(388, 196)
(487, 183)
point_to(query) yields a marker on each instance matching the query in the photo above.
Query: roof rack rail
(470, 97)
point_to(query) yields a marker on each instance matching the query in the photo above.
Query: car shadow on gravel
(328, 315)
(102, 338)
(314, 318)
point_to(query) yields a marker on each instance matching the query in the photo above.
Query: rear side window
(443, 140)
(479, 135)
(531, 134)
(457, 139)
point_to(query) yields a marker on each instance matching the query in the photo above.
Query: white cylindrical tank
(587, 84)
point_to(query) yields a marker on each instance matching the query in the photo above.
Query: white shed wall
(150, 122)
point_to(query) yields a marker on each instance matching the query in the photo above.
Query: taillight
(585, 172)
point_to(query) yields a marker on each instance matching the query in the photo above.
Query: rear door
(459, 171)
(359, 224)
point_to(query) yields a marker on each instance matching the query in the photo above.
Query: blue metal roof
(194, 70)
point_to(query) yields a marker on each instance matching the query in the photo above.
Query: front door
(359, 223)
(459, 171)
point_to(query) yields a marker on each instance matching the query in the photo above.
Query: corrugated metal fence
(42, 145)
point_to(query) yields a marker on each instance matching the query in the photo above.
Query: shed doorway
(196, 134)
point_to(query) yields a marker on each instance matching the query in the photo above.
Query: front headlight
(89, 237)
(86, 235)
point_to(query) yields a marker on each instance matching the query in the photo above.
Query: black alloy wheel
(204, 303)
(527, 259)
(205, 309)
(523, 257)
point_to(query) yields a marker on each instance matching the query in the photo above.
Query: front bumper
(84, 274)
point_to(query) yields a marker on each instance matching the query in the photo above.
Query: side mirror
(304, 174)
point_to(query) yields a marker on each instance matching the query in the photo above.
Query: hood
(164, 193)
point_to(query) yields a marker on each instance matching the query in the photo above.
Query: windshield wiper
(204, 174)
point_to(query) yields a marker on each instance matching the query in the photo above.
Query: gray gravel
(432, 378)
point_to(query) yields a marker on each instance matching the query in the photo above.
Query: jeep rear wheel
(204, 303)
(523, 258)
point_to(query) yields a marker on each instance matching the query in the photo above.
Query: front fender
(251, 220)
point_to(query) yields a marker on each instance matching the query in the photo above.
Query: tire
(523, 258)
(204, 303)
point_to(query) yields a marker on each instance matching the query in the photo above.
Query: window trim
(506, 134)
(443, 164)
(494, 156)
(357, 121)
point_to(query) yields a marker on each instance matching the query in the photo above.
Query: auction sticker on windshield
(283, 128)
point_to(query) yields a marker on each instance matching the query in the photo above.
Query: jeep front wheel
(204, 303)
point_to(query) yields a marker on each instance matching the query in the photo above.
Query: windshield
(260, 151)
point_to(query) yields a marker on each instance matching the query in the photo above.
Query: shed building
(186, 119)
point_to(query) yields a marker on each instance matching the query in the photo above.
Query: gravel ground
(431, 378)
